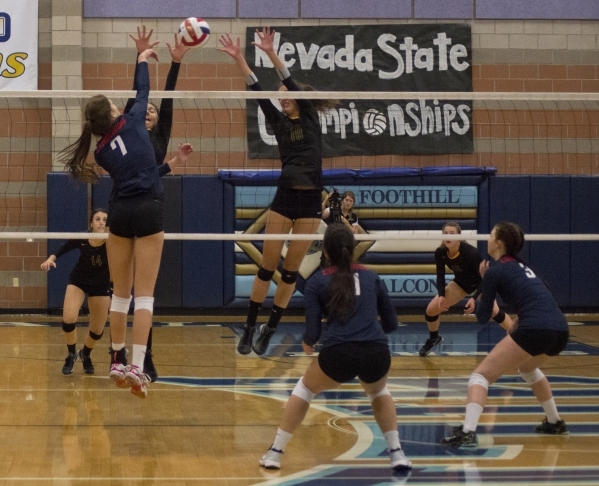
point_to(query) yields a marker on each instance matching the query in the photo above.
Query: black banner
(406, 57)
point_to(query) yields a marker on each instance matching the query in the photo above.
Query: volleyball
(374, 122)
(194, 32)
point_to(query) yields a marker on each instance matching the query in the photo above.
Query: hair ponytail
(339, 244)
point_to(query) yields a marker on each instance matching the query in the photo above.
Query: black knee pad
(264, 274)
(96, 337)
(500, 317)
(430, 318)
(288, 277)
(68, 327)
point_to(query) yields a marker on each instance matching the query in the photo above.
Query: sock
(473, 413)
(275, 316)
(139, 353)
(550, 410)
(86, 351)
(150, 340)
(392, 439)
(117, 346)
(72, 348)
(281, 440)
(434, 334)
(253, 313)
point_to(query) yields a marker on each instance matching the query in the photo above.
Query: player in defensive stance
(463, 259)
(540, 331)
(354, 343)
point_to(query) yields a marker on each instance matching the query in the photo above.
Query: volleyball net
(412, 162)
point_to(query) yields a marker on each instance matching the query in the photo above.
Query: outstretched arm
(142, 42)
(184, 150)
(234, 50)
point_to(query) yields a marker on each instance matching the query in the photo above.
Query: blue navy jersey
(465, 267)
(371, 300)
(299, 140)
(92, 266)
(521, 289)
(126, 151)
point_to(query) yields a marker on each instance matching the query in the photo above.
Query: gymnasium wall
(538, 45)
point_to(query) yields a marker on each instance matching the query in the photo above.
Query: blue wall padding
(411, 224)
(169, 285)
(101, 192)
(584, 255)
(202, 203)
(67, 211)
(550, 213)
(510, 201)
(395, 258)
(229, 253)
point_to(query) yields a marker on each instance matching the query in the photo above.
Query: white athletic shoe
(399, 461)
(137, 380)
(117, 374)
(272, 459)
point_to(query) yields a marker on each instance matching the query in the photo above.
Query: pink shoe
(117, 374)
(137, 380)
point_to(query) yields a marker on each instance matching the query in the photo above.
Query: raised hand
(178, 51)
(266, 37)
(230, 47)
(146, 54)
(142, 41)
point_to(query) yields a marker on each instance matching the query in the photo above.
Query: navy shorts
(297, 203)
(369, 361)
(93, 290)
(136, 217)
(541, 341)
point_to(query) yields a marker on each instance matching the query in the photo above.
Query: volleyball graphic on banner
(374, 122)
(194, 32)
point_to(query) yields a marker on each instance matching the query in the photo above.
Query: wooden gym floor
(213, 412)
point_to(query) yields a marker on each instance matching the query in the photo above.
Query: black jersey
(300, 141)
(371, 300)
(126, 151)
(522, 290)
(92, 266)
(160, 135)
(465, 267)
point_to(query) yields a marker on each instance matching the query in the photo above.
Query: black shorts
(541, 341)
(369, 361)
(467, 287)
(297, 203)
(92, 290)
(136, 216)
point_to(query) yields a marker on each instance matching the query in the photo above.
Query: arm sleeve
(313, 315)
(290, 84)
(270, 111)
(66, 247)
(488, 286)
(440, 273)
(385, 307)
(130, 101)
(162, 130)
(142, 79)
(163, 169)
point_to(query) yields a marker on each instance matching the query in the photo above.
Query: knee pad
(264, 274)
(68, 327)
(480, 380)
(146, 303)
(96, 337)
(302, 392)
(532, 377)
(380, 393)
(288, 277)
(120, 304)
(430, 318)
(499, 317)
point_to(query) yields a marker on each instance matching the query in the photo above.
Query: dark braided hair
(339, 244)
(512, 237)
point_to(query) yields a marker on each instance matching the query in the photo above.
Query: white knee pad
(120, 304)
(380, 393)
(302, 392)
(146, 303)
(532, 377)
(478, 379)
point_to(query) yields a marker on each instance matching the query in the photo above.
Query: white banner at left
(18, 45)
